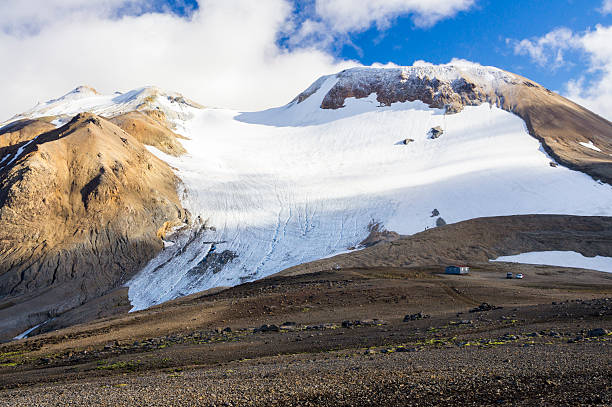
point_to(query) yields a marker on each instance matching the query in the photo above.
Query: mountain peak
(84, 89)
(172, 105)
(80, 92)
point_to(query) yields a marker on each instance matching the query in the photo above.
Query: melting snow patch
(29, 331)
(19, 152)
(590, 145)
(561, 259)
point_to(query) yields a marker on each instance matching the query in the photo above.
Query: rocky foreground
(371, 336)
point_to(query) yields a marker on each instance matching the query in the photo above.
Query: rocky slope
(81, 210)
(477, 241)
(353, 337)
(150, 132)
(23, 130)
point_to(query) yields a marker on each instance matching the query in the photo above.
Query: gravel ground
(435, 343)
(563, 374)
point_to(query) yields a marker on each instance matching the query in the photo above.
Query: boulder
(435, 132)
(414, 317)
(597, 332)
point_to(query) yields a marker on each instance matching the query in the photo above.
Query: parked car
(509, 275)
(519, 276)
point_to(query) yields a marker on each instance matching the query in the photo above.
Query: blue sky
(480, 35)
(255, 54)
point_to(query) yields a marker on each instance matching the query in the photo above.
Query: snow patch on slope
(590, 145)
(561, 259)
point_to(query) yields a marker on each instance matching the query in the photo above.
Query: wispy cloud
(595, 94)
(606, 7)
(593, 89)
(357, 15)
(331, 21)
(18, 17)
(549, 49)
(226, 53)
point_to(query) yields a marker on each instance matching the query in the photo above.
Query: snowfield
(273, 189)
(561, 259)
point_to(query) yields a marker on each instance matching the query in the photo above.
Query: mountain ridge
(221, 197)
(85, 202)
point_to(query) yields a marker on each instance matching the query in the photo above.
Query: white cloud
(593, 90)
(549, 49)
(596, 94)
(20, 17)
(225, 54)
(358, 15)
(331, 22)
(606, 7)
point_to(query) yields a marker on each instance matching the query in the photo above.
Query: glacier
(289, 185)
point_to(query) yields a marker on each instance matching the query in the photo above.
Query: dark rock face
(597, 332)
(484, 307)
(415, 317)
(395, 85)
(440, 222)
(80, 211)
(214, 262)
(435, 132)
(377, 235)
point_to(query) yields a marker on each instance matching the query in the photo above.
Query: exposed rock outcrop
(378, 234)
(435, 132)
(80, 208)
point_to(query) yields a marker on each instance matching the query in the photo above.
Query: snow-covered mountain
(86, 99)
(405, 149)
(298, 183)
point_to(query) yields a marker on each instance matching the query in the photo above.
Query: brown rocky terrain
(559, 124)
(364, 336)
(80, 211)
(150, 132)
(23, 130)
